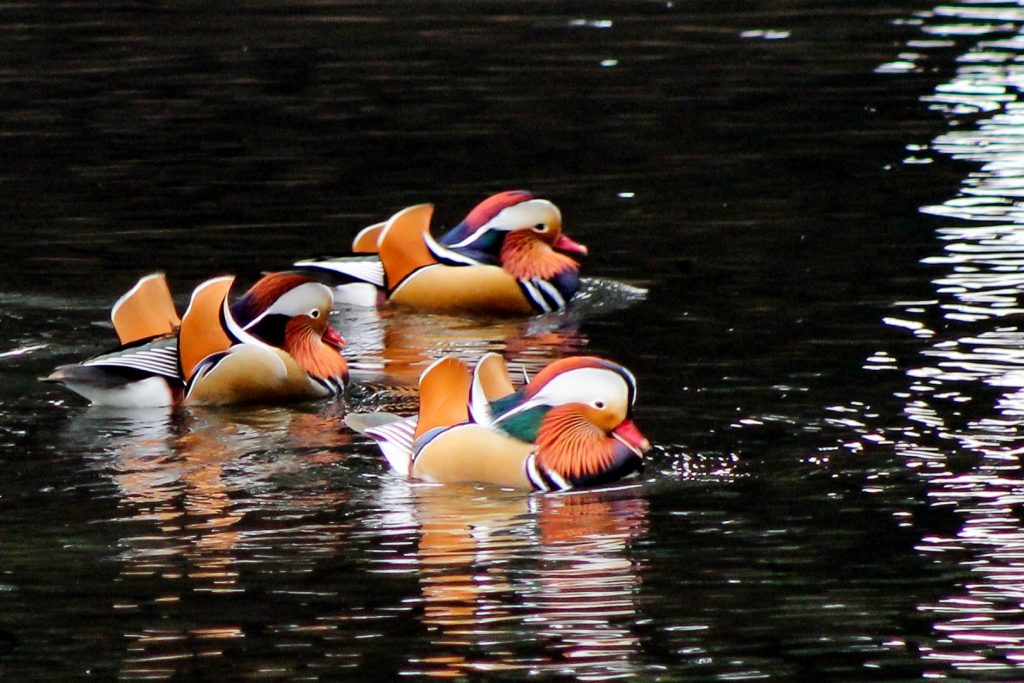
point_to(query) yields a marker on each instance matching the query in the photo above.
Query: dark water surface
(823, 199)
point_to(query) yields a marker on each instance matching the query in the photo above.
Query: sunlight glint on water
(980, 627)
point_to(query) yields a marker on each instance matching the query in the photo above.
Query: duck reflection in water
(198, 494)
(395, 346)
(531, 584)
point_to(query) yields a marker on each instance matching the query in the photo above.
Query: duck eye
(315, 313)
(599, 405)
(540, 227)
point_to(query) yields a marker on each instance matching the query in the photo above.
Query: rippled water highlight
(960, 395)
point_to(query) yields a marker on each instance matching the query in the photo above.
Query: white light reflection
(766, 34)
(964, 395)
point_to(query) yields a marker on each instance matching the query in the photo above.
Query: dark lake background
(823, 199)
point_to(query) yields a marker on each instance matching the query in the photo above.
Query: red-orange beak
(333, 339)
(563, 243)
(628, 434)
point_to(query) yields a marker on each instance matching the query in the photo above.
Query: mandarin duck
(569, 427)
(508, 256)
(274, 344)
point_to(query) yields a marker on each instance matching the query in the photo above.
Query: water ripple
(499, 572)
(962, 398)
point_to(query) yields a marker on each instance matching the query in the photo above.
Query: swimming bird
(570, 426)
(282, 347)
(274, 344)
(508, 256)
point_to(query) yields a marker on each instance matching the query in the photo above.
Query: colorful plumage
(571, 426)
(274, 344)
(508, 256)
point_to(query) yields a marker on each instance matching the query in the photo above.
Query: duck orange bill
(628, 434)
(332, 338)
(563, 243)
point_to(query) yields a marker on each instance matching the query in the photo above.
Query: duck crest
(475, 238)
(543, 378)
(525, 256)
(264, 293)
(493, 205)
(523, 413)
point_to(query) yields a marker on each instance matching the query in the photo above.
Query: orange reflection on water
(190, 479)
(397, 345)
(572, 593)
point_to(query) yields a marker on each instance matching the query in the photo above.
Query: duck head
(518, 230)
(579, 413)
(292, 312)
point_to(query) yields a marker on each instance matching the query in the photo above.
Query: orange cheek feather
(569, 443)
(524, 256)
(306, 345)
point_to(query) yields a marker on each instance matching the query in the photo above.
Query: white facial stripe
(301, 300)
(524, 215)
(585, 385)
(443, 253)
(237, 331)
